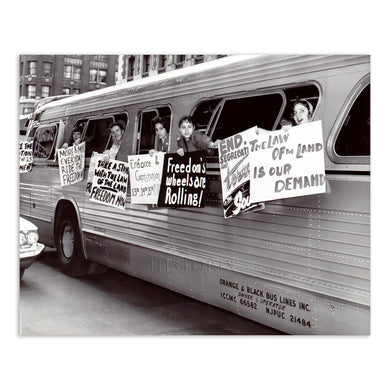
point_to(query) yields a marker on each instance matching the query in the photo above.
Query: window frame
(28, 91)
(242, 95)
(139, 122)
(44, 70)
(51, 157)
(336, 129)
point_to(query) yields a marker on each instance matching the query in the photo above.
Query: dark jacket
(197, 141)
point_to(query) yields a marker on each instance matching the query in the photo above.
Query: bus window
(146, 134)
(354, 136)
(243, 113)
(44, 140)
(97, 135)
(203, 112)
(309, 93)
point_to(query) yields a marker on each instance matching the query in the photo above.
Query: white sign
(109, 183)
(71, 162)
(145, 177)
(287, 163)
(25, 156)
(234, 162)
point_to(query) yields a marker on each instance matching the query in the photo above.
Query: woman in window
(117, 130)
(302, 112)
(162, 137)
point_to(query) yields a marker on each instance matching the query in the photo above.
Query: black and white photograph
(183, 214)
(263, 188)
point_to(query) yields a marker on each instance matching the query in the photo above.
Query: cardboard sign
(184, 180)
(25, 156)
(109, 183)
(145, 174)
(71, 162)
(234, 163)
(95, 156)
(287, 163)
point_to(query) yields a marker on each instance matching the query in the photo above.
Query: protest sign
(95, 156)
(145, 177)
(109, 183)
(285, 164)
(184, 180)
(71, 162)
(25, 156)
(235, 173)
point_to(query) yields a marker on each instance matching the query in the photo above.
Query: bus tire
(69, 248)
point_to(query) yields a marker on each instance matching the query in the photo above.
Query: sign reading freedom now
(109, 183)
(184, 180)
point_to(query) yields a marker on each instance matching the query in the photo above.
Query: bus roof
(199, 68)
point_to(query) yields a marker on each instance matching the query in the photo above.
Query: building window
(67, 71)
(76, 91)
(93, 75)
(45, 91)
(131, 71)
(199, 59)
(162, 61)
(31, 91)
(146, 64)
(32, 68)
(47, 69)
(102, 76)
(180, 60)
(76, 73)
(66, 91)
(97, 75)
(72, 72)
(28, 110)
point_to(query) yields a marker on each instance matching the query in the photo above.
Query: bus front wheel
(69, 248)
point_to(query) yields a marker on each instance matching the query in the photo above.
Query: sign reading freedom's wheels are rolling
(184, 180)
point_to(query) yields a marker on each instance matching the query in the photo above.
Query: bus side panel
(290, 310)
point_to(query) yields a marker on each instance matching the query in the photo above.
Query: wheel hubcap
(67, 241)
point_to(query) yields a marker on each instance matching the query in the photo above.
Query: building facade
(45, 76)
(42, 76)
(132, 67)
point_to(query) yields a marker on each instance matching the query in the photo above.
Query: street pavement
(115, 304)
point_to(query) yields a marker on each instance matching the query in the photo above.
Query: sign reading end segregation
(71, 162)
(109, 183)
(234, 161)
(285, 164)
(184, 180)
(145, 177)
(25, 156)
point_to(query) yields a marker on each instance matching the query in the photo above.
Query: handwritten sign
(95, 156)
(25, 156)
(109, 183)
(235, 173)
(285, 164)
(71, 162)
(145, 174)
(184, 180)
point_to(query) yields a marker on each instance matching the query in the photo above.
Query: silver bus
(301, 265)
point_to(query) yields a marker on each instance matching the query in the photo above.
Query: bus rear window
(354, 136)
